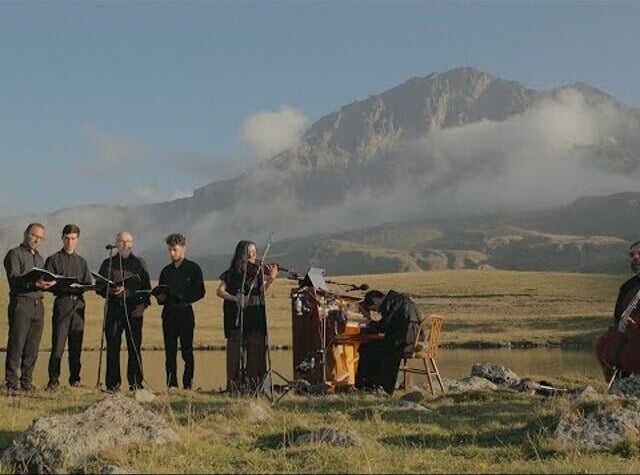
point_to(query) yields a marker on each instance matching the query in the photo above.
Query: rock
(405, 405)
(470, 383)
(144, 395)
(330, 436)
(415, 395)
(257, 414)
(68, 441)
(626, 386)
(600, 429)
(114, 470)
(527, 386)
(584, 394)
(318, 389)
(497, 374)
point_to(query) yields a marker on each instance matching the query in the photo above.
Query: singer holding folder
(180, 284)
(125, 311)
(26, 313)
(68, 307)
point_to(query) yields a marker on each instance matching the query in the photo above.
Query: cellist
(626, 295)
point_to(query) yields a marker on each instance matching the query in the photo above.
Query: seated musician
(380, 360)
(626, 294)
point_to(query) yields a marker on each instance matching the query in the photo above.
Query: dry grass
(480, 307)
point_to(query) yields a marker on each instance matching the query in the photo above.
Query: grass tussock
(481, 432)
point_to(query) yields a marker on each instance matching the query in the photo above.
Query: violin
(253, 268)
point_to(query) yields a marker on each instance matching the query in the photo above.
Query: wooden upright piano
(327, 330)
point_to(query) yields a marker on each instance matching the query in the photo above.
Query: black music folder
(37, 273)
(157, 290)
(128, 281)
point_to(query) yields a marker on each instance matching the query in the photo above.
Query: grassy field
(481, 307)
(503, 431)
(472, 433)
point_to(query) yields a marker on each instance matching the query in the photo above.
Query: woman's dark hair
(239, 256)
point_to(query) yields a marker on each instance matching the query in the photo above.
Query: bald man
(125, 311)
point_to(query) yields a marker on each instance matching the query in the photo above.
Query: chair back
(430, 349)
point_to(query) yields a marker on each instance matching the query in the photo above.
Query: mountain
(470, 167)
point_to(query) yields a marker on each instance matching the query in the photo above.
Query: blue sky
(111, 102)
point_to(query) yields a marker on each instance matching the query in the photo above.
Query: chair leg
(437, 371)
(404, 374)
(428, 373)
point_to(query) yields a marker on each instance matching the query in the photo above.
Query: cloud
(146, 194)
(111, 150)
(270, 133)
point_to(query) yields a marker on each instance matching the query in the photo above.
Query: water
(210, 372)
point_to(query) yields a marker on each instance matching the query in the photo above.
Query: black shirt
(185, 283)
(17, 262)
(400, 320)
(68, 265)
(627, 291)
(132, 266)
(254, 318)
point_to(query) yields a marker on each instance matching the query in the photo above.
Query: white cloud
(269, 133)
(146, 193)
(112, 150)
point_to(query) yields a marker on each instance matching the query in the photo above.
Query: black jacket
(400, 320)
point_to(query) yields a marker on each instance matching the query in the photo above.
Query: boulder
(497, 374)
(626, 386)
(599, 429)
(470, 383)
(68, 441)
(330, 436)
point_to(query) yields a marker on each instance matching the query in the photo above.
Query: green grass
(472, 433)
(480, 307)
(475, 432)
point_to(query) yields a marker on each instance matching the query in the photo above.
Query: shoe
(187, 387)
(172, 389)
(11, 388)
(113, 389)
(135, 387)
(27, 387)
(52, 386)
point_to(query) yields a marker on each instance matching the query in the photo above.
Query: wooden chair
(427, 351)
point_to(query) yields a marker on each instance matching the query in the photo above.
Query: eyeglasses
(37, 236)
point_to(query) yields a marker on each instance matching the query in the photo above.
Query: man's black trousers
(117, 322)
(67, 324)
(26, 321)
(178, 323)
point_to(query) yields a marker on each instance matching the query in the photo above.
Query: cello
(618, 349)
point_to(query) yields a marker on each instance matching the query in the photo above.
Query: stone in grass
(67, 441)
(330, 436)
(470, 383)
(405, 405)
(415, 395)
(598, 429)
(114, 470)
(256, 413)
(629, 386)
(497, 374)
(144, 396)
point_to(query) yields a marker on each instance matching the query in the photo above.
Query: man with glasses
(124, 311)
(26, 313)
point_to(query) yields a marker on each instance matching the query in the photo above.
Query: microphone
(110, 246)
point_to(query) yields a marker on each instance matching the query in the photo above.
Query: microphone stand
(131, 341)
(104, 318)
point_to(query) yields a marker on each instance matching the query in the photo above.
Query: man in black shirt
(124, 311)
(26, 313)
(68, 307)
(184, 286)
(380, 360)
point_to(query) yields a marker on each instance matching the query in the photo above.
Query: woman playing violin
(257, 280)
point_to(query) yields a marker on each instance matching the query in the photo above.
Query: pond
(537, 363)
